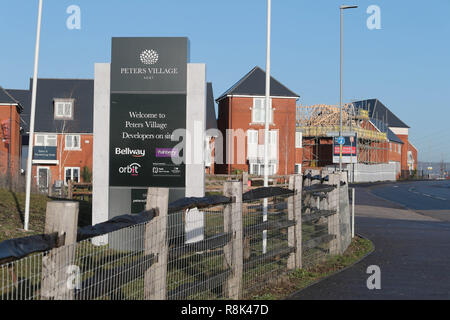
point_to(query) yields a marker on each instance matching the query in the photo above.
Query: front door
(43, 177)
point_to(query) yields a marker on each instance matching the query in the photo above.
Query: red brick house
(10, 142)
(63, 130)
(241, 121)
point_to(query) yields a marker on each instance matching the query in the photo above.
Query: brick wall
(10, 147)
(235, 113)
(68, 158)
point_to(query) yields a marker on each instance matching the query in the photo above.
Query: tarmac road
(412, 248)
(430, 198)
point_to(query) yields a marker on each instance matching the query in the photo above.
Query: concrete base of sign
(111, 202)
(100, 165)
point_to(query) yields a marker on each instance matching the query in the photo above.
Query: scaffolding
(317, 122)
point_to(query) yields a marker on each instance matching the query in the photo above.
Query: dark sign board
(138, 200)
(148, 103)
(44, 153)
(151, 65)
(349, 150)
(141, 149)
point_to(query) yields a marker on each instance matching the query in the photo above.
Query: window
(273, 144)
(72, 142)
(252, 144)
(273, 137)
(45, 140)
(259, 111)
(72, 174)
(298, 139)
(298, 168)
(254, 168)
(63, 109)
(208, 152)
(258, 169)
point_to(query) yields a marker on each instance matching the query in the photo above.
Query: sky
(405, 63)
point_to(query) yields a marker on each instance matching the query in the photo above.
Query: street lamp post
(32, 115)
(342, 8)
(267, 117)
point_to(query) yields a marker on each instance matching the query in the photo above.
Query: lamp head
(348, 7)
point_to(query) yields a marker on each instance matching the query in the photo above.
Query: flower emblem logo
(149, 57)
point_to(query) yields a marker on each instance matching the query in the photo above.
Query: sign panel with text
(44, 153)
(142, 152)
(148, 103)
(149, 65)
(349, 149)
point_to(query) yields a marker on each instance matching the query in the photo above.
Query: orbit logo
(132, 169)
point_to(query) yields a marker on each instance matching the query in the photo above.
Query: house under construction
(319, 123)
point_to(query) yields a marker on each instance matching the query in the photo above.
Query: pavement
(411, 234)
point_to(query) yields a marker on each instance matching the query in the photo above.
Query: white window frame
(63, 109)
(72, 136)
(252, 143)
(262, 103)
(48, 175)
(260, 168)
(71, 174)
(252, 136)
(298, 140)
(47, 140)
(273, 137)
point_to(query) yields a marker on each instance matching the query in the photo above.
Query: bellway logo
(137, 153)
(149, 56)
(132, 169)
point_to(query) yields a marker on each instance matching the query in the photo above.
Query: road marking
(412, 190)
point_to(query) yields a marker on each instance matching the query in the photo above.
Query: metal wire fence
(222, 252)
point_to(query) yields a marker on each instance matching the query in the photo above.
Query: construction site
(319, 125)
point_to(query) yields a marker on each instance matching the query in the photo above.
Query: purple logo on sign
(166, 152)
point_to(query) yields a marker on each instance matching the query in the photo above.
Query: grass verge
(12, 208)
(301, 278)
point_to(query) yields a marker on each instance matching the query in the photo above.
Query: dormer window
(64, 109)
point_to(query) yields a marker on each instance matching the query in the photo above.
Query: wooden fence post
(295, 213)
(70, 190)
(233, 251)
(291, 230)
(61, 217)
(155, 279)
(245, 181)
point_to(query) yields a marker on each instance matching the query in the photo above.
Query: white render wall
(196, 127)
(370, 172)
(100, 165)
